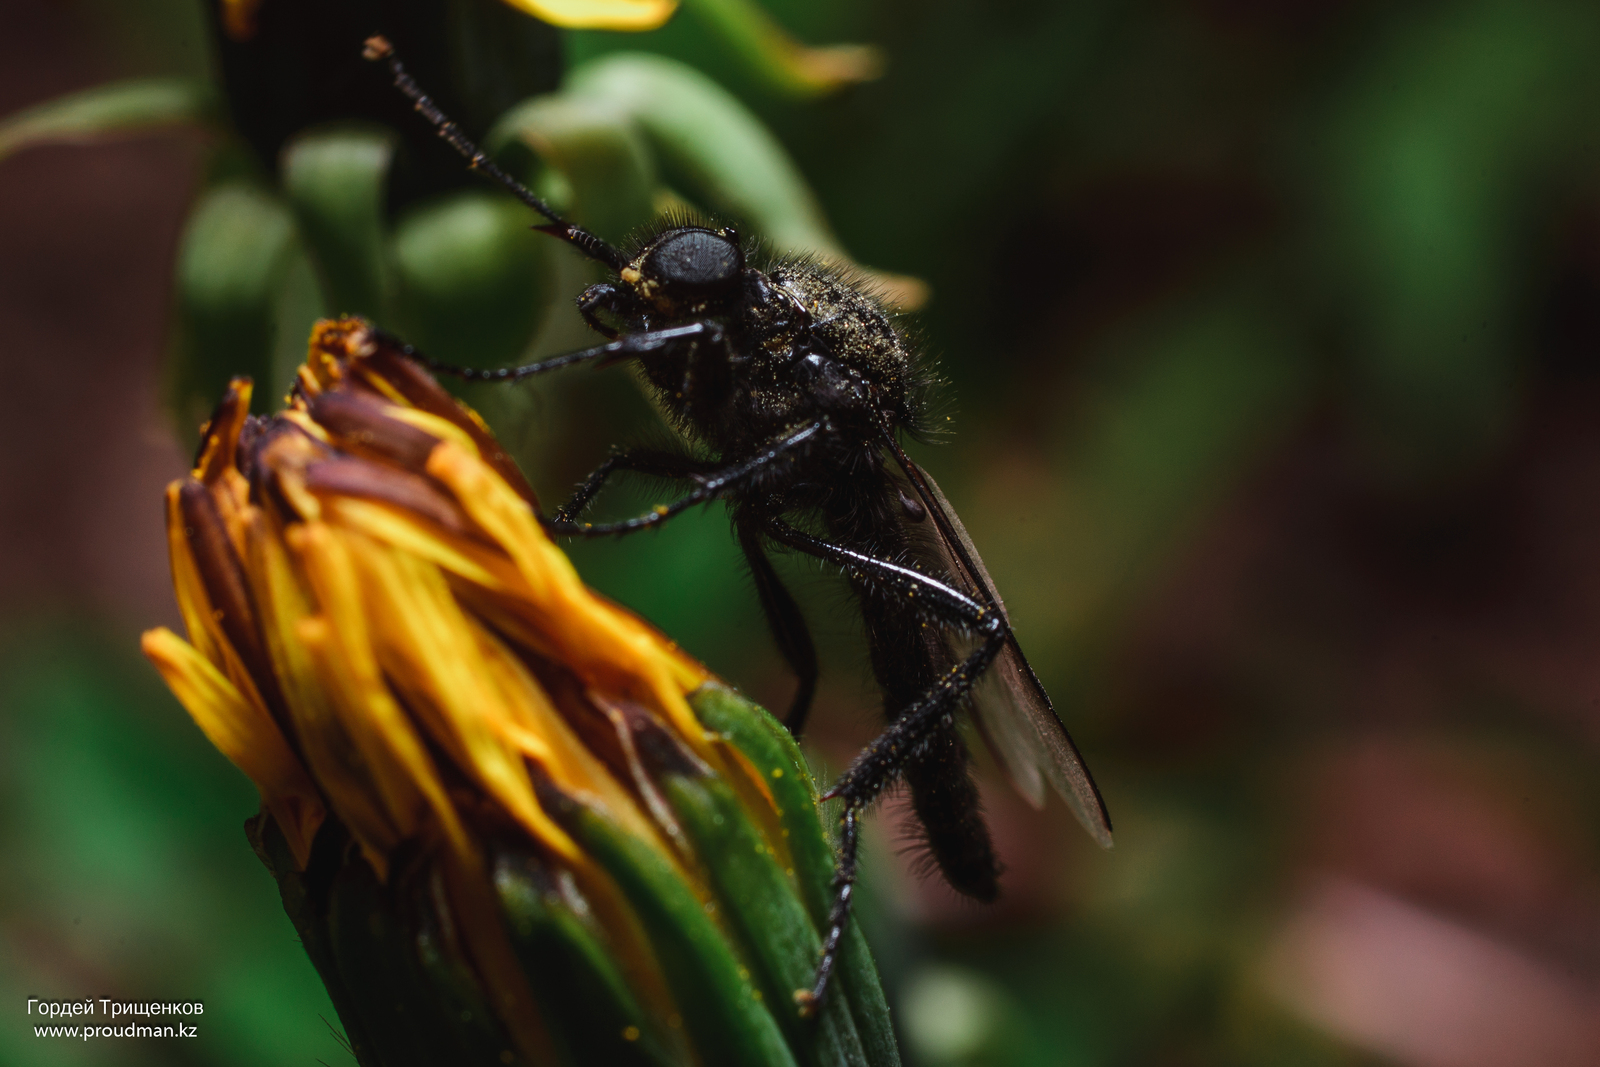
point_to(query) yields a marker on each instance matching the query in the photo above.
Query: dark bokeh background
(1272, 333)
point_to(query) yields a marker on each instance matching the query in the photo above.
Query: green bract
(395, 966)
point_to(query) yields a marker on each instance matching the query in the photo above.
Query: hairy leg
(656, 462)
(920, 725)
(710, 486)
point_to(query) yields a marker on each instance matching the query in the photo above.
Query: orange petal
(243, 732)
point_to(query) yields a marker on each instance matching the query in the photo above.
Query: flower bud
(512, 822)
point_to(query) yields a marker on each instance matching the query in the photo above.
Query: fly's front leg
(645, 343)
(726, 480)
(594, 298)
(655, 462)
(885, 759)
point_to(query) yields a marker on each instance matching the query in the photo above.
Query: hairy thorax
(849, 325)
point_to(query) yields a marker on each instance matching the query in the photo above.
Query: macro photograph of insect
(670, 532)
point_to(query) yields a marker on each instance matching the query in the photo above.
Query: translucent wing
(1010, 707)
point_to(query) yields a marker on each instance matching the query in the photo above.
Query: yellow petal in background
(599, 14)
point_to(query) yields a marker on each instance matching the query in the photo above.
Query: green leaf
(772, 751)
(714, 143)
(782, 62)
(231, 259)
(597, 149)
(108, 110)
(334, 180)
(296, 308)
(473, 278)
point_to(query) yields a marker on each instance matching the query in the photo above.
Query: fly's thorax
(849, 325)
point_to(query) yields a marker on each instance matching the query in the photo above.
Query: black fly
(794, 382)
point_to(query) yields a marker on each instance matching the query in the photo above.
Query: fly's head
(687, 272)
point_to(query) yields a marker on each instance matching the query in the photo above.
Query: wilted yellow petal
(341, 649)
(307, 423)
(599, 14)
(426, 648)
(284, 605)
(220, 435)
(243, 732)
(193, 603)
(610, 645)
(409, 533)
(443, 429)
(536, 727)
(200, 616)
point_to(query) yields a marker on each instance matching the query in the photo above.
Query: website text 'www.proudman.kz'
(113, 1010)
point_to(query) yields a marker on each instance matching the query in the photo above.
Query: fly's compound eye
(697, 260)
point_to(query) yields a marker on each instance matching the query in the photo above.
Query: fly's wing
(1011, 708)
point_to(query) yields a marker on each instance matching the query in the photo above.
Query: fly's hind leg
(907, 738)
(877, 766)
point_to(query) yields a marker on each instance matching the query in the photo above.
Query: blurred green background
(1271, 333)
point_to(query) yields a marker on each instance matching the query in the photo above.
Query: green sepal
(759, 903)
(334, 180)
(772, 750)
(473, 278)
(478, 1038)
(300, 903)
(112, 109)
(726, 1019)
(598, 151)
(373, 952)
(581, 990)
(232, 258)
(712, 142)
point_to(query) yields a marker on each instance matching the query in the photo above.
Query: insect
(796, 387)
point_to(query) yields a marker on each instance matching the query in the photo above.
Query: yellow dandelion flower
(489, 795)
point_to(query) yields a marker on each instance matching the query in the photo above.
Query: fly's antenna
(378, 49)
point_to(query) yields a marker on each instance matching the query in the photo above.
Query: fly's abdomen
(946, 801)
